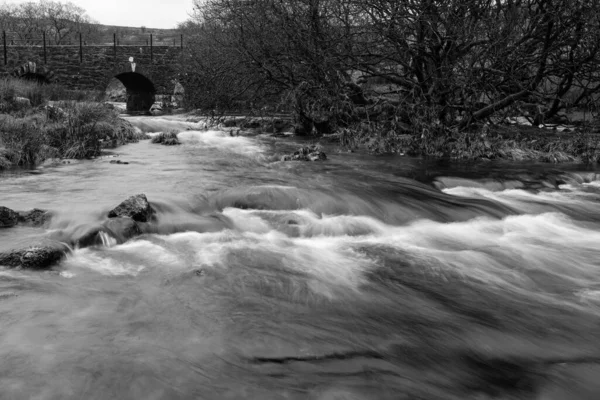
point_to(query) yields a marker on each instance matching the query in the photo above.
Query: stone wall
(99, 64)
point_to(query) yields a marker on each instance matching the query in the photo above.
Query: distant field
(97, 34)
(128, 35)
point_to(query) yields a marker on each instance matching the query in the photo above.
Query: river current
(359, 277)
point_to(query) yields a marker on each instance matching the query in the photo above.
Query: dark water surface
(355, 278)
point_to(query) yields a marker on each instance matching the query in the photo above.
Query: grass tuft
(166, 138)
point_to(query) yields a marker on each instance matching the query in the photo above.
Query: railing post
(80, 49)
(151, 51)
(44, 40)
(181, 41)
(4, 43)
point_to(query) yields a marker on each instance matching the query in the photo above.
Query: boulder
(42, 256)
(302, 130)
(55, 113)
(229, 122)
(136, 207)
(307, 153)
(8, 217)
(251, 123)
(35, 217)
(157, 109)
(22, 102)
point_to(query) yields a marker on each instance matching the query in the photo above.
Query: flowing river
(359, 277)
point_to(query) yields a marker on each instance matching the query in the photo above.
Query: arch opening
(115, 91)
(140, 92)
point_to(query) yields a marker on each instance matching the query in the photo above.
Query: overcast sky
(149, 13)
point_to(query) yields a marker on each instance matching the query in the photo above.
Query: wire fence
(42, 39)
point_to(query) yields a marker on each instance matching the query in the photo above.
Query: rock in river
(8, 217)
(40, 256)
(136, 207)
(308, 153)
(120, 229)
(35, 217)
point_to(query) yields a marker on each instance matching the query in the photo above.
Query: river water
(360, 277)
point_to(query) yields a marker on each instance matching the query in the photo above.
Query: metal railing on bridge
(149, 41)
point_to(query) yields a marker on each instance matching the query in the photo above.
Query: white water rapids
(359, 277)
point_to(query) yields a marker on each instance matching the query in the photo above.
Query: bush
(166, 138)
(4, 162)
(87, 127)
(73, 130)
(24, 139)
(125, 132)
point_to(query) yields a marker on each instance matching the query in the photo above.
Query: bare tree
(428, 67)
(61, 21)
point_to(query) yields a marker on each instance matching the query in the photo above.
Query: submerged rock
(119, 162)
(42, 256)
(8, 217)
(121, 229)
(136, 207)
(307, 153)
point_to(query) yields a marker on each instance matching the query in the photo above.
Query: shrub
(166, 138)
(4, 162)
(84, 129)
(23, 138)
(11, 88)
(71, 130)
(124, 132)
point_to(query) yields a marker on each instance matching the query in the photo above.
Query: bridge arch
(140, 91)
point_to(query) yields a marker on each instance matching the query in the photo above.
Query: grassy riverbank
(508, 142)
(576, 142)
(75, 125)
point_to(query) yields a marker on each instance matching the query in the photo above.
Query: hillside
(129, 35)
(93, 34)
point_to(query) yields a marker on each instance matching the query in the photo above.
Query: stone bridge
(145, 72)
